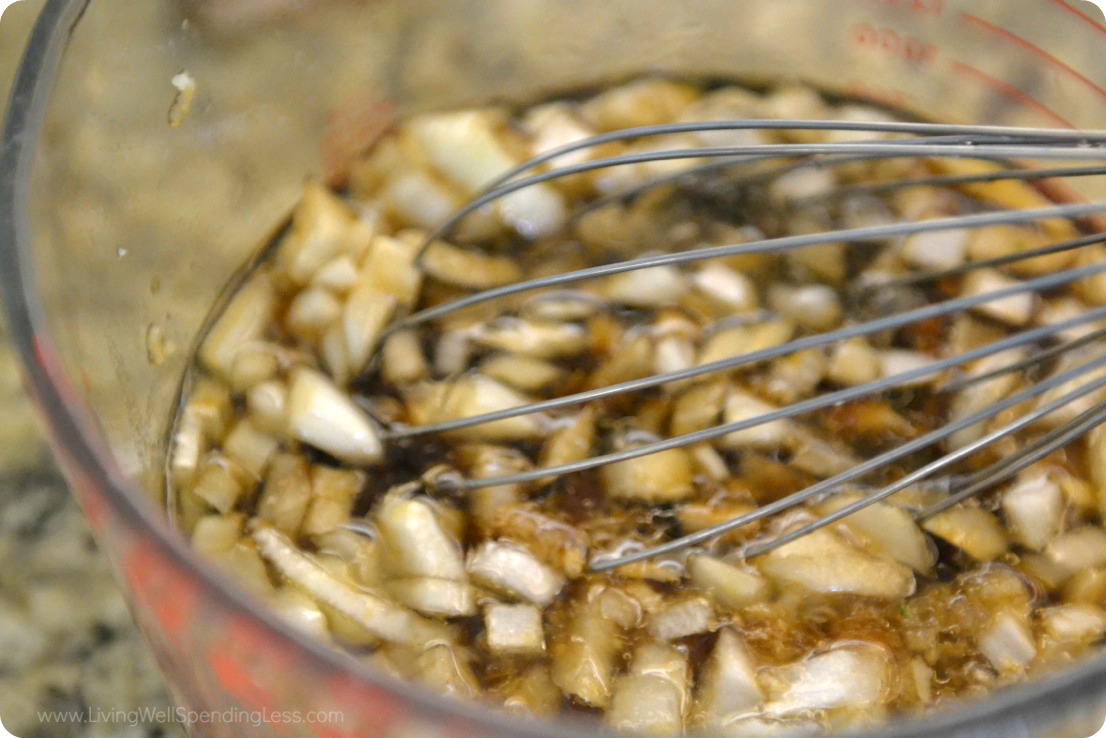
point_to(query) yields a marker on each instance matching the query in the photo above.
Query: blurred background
(72, 663)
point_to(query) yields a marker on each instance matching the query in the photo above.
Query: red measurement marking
(890, 42)
(1085, 18)
(1007, 91)
(1032, 49)
(918, 7)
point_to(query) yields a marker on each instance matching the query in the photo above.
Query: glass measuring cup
(147, 155)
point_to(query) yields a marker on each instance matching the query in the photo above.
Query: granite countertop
(71, 661)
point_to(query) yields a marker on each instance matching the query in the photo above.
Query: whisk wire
(876, 463)
(755, 357)
(1004, 145)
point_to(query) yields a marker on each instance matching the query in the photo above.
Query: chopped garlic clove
(286, 493)
(729, 292)
(468, 268)
(854, 362)
(682, 618)
(244, 320)
(644, 288)
(333, 494)
(936, 250)
(215, 535)
(772, 436)
(444, 598)
(383, 619)
(321, 415)
(267, 404)
(402, 360)
(813, 306)
(416, 544)
(846, 676)
(1015, 310)
(389, 268)
(973, 530)
(321, 230)
(513, 629)
(338, 275)
(363, 321)
(890, 531)
(584, 655)
(301, 612)
(728, 683)
(895, 362)
(1077, 550)
(1071, 624)
(1008, 644)
(728, 585)
(470, 396)
(1034, 508)
(536, 339)
(514, 571)
(249, 447)
(522, 373)
(822, 562)
(311, 312)
(222, 484)
(740, 340)
(651, 699)
(664, 476)
(465, 147)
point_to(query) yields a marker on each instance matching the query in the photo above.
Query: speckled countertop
(71, 661)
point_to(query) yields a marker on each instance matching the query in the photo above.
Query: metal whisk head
(1065, 359)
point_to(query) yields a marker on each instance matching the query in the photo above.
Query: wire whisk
(1067, 356)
